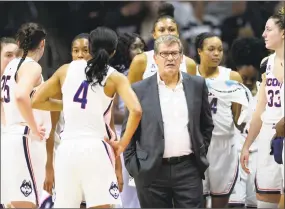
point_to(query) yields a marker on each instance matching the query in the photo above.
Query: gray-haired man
(167, 155)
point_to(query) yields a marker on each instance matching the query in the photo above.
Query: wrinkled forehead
(168, 46)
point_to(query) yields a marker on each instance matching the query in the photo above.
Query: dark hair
(248, 51)
(165, 11)
(80, 36)
(7, 40)
(199, 42)
(279, 18)
(29, 37)
(102, 43)
(122, 60)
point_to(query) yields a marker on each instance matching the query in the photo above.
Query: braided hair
(102, 44)
(29, 37)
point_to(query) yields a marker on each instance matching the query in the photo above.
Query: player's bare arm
(137, 68)
(43, 98)
(28, 77)
(236, 108)
(255, 124)
(118, 162)
(123, 88)
(191, 66)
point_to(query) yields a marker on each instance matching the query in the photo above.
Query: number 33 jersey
(273, 111)
(84, 106)
(11, 111)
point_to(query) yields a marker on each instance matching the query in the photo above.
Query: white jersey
(84, 106)
(221, 110)
(273, 110)
(151, 67)
(282, 98)
(242, 135)
(12, 113)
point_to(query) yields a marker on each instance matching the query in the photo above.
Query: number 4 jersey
(273, 111)
(85, 106)
(11, 111)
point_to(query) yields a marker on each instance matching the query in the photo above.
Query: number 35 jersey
(273, 111)
(14, 119)
(84, 105)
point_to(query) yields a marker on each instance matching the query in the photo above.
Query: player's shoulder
(140, 58)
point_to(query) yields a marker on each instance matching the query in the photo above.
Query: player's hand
(244, 160)
(49, 180)
(120, 180)
(117, 147)
(39, 132)
(280, 128)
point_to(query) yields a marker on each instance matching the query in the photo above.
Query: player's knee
(262, 204)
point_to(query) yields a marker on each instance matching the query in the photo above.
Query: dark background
(64, 20)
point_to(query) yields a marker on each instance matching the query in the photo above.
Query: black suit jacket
(144, 154)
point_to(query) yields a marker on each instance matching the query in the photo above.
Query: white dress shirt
(175, 119)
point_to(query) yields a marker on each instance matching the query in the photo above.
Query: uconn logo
(272, 82)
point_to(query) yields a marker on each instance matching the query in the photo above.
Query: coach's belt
(175, 160)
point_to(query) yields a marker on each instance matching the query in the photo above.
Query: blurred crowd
(64, 20)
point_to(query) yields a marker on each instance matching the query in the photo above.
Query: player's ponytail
(102, 45)
(97, 67)
(25, 47)
(29, 37)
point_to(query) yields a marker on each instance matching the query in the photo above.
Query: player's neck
(280, 52)
(32, 55)
(206, 71)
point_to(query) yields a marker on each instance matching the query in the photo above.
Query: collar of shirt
(161, 82)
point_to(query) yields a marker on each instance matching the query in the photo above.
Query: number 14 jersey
(221, 109)
(84, 106)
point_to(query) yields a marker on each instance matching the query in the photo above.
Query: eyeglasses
(174, 54)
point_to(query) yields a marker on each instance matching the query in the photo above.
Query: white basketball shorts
(85, 166)
(23, 162)
(222, 173)
(244, 191)
(268, 173)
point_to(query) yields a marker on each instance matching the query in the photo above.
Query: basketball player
(280, 126)
(268, 112)
(143, 65)
(129, 45)
(222, 153)
(79, 50)
(8, 48)
(84, 162)
(247, 54)
(23, 143)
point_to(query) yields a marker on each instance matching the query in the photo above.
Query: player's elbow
(136, 111)
(36, 102)
(21, 95)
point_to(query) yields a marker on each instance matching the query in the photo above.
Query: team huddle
(64, 134)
